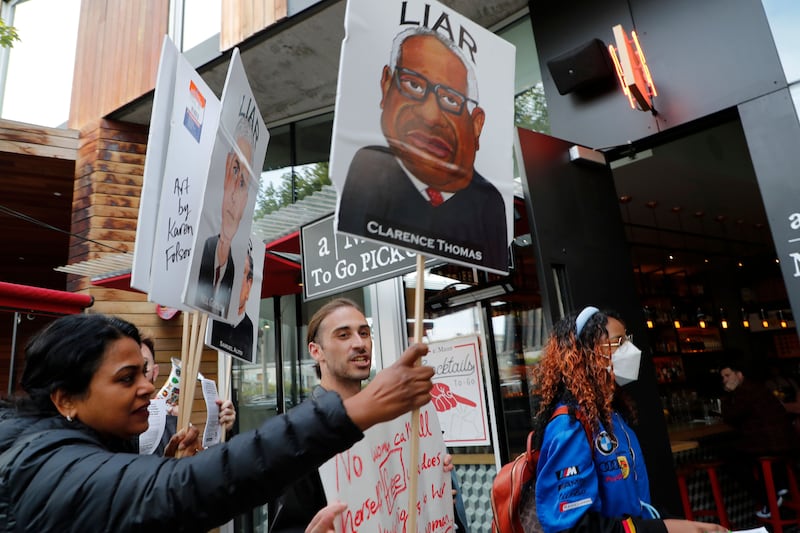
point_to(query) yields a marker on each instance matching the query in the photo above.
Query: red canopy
(281, 275)
(29, 299)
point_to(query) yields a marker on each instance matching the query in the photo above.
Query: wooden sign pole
(191, 353)
(224, 371)
(419, 315)
(185, 339)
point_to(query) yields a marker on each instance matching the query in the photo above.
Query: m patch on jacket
(567, 472)
(605, 443)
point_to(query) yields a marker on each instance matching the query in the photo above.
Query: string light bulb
(745, 320)
(784, 323)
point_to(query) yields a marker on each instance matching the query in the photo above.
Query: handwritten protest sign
(458, 390)
(154, 163)
(194, 118)
(372, 478)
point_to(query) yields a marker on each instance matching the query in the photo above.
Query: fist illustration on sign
(444, 399)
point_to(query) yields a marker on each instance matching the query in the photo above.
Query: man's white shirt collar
(421, 186)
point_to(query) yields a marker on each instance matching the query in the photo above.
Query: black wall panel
(704, 56)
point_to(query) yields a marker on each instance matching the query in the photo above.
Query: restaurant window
(193, 22)
(530, 105)
(296, 163)
(255, 386)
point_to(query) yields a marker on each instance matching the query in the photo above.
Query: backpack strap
(532, 454)
(564, 410)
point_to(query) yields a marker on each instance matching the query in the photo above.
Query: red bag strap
(533, 454)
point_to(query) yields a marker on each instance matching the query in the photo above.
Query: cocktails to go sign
(333, 262)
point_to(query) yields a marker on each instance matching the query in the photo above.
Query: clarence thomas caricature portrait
(423, 188)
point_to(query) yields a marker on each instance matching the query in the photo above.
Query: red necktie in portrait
(216, 275)
(436, 197)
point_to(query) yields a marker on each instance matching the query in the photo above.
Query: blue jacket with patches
(592, 488)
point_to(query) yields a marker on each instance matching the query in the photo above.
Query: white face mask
(625, 361)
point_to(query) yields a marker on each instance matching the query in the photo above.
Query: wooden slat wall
(29, 139)
(243, 18)
(108, 184)
(37, 168)
(116, 60)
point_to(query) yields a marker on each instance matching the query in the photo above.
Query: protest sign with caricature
(240, 338)
(193, 118)
(226, 215)
(423, 132)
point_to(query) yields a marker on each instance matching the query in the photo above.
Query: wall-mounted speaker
(583, 68)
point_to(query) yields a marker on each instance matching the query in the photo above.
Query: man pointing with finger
(340, 341)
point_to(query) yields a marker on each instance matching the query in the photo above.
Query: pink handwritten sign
(373, 478)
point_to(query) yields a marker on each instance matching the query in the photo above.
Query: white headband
(583, 317)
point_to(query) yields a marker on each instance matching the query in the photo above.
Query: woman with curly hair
(591, 474)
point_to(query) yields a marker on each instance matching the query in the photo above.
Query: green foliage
(530, 110)
(8, 34)
(308, 179)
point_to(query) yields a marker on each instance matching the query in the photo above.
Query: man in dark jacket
(340, 341)
(762, 428)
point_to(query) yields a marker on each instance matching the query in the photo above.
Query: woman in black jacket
(63, 465)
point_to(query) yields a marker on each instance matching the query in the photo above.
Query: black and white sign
(333, 262)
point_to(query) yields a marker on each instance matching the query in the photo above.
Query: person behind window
(762, 427)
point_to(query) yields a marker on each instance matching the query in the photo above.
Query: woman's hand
(227, 414)
(323, 520)
(686, 526)
(447, 464)
(184, 443)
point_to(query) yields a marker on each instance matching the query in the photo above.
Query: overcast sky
(39, 82)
